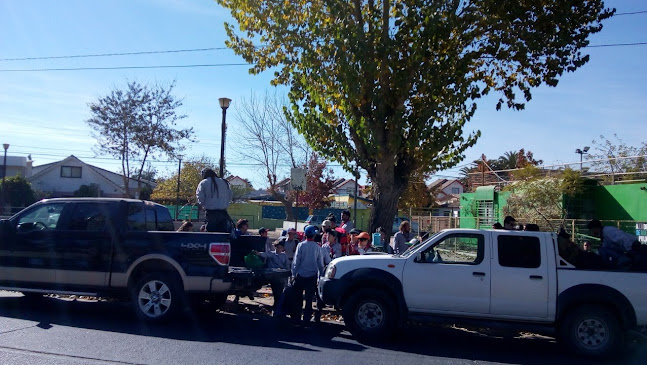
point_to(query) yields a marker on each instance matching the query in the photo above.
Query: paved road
(55, 331)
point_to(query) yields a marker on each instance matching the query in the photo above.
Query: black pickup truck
(122, 248)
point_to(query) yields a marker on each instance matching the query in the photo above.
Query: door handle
(478, 273)
(536, 277)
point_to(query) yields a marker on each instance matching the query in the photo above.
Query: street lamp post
(4, 174)
(224, 104)
(582, 152)
(177, 194)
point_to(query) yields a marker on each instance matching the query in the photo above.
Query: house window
(456, 190)
(71, 171)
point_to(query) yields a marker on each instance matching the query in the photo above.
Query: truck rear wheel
(369, 314)
(592, 331)
(157, 297)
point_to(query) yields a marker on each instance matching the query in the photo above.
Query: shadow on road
(264, 331)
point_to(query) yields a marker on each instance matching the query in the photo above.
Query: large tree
(265, 137)
(138, 123)
(390, 85)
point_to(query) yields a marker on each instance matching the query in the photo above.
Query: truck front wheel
(157, 297)
(592, 331)
(369, 314)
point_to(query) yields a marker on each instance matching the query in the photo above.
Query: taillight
(220, 252)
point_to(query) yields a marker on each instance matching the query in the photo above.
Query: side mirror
(6, 229)
(25, 227)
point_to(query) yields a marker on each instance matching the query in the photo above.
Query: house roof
(284, 182)
(436, 183)
(341, 182)
(43, 169)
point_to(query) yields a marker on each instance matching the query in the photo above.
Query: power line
(631, 13)
(197, 65)
(115, 54)
(124, 67)
(617, 45)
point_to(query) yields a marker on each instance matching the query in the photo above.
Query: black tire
(157, 296)
(370, 315)
(592, 331)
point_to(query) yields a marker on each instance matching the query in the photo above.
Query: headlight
(330, 271)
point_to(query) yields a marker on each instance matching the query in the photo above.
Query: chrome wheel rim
(154, 299)
(369, 315)
(592, 333)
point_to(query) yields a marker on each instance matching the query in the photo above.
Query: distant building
(63, 178)
(344, 187)
(447, 197)
(17, 166)
(239, 182)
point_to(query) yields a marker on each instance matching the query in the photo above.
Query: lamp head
(586, 148)
(578, 151)
(224, 102)
(5, 146)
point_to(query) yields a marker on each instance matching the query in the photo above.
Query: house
(443, 188)
(283, 186)
(18, 166)
(447, 197)
(63, 178)
(237, 181)
(344, 187)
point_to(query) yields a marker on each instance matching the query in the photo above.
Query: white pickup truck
(489, 278)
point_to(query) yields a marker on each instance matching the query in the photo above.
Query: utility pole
(177, 194)
(356, 188)
(4, 174)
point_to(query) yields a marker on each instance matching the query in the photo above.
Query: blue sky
(43, 113)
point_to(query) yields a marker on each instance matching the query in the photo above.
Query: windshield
(418, 244)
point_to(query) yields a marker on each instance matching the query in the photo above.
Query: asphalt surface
(58, 331)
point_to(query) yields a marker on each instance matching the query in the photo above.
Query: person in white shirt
(214, 195)
(346, 223)
(307, 266)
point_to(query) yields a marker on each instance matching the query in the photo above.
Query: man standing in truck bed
(214, 194)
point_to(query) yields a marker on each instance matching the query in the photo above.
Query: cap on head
(310, 231)
(355, 231)
(262, 230)
(292, 230)
(363, 235)
(326, 224)
(595, 223)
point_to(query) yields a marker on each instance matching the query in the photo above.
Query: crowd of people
(618, 250)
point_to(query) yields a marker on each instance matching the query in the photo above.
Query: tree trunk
(289, 212)
(387, 189)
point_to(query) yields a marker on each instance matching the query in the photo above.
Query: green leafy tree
(18, 192)
(190, 177)
(138, 123)
(418, 194)
(390, 85)
(537, 197)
